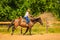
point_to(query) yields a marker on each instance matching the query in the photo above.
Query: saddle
(23, 22)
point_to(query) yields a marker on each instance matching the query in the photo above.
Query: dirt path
(30, 37)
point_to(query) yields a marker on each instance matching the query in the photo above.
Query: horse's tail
(10, 25)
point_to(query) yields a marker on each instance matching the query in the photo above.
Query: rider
(27, 16)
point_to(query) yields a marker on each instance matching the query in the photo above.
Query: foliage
(11, 9)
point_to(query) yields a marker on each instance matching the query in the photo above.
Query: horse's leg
(26, 31)
(30, 31)
(10, 25)
(13, 28)
(21, 30)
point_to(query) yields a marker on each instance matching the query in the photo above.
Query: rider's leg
(27, 20)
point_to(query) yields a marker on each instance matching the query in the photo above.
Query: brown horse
(22, 22)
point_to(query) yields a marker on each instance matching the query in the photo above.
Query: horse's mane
(35, 19)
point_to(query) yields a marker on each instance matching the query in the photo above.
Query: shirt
(27, 14)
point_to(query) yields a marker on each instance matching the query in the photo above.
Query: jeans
(27, 19)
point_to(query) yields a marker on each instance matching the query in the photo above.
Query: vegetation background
(11, 9)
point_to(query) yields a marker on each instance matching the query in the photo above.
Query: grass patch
(36, 29)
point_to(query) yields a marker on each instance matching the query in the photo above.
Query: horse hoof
(24, 34)
(11, 33)
(30, 34)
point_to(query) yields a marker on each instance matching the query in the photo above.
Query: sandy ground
(51, 36)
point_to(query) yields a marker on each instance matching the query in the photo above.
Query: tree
(11, 9)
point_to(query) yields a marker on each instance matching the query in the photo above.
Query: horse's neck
(34, 21)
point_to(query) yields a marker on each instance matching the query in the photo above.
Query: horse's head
(39, 20)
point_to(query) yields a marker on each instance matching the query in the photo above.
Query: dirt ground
(51, 36)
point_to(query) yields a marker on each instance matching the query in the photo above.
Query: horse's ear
(40, 17)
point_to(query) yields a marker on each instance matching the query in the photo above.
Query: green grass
(36, 29)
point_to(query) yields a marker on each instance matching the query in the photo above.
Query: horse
(22, 22)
